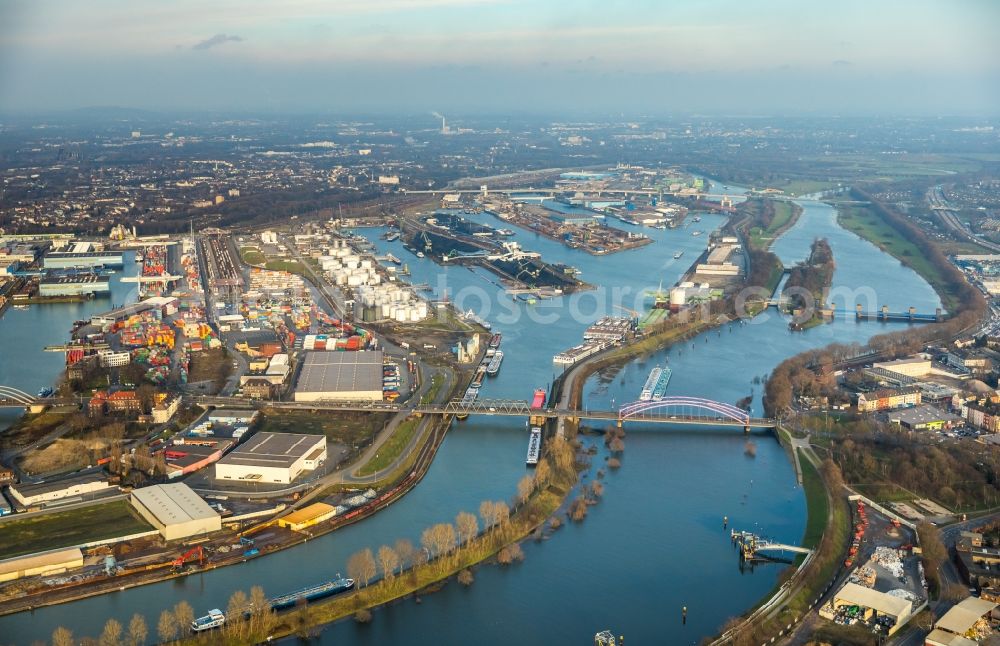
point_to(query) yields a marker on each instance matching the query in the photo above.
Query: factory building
(176, 511)
(273, 458)
(68, 259)
(872, 604)
(308, 516)
(970, 617)
(349, 376)
(41, 564)
(81, 285)
(30, 495)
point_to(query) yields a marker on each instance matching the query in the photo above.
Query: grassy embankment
(392, 448)
(31, 428)
(868, 225)
(420, 576)
(828, 532)
(785, 216)
(67, 528)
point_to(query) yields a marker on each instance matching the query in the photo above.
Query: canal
(654, 544)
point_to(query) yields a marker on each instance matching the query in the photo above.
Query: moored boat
(661, 384)
(647, 389)
(312, 593)
(494, 365)
(534, 446)
(214, 619)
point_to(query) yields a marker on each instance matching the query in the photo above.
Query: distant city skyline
(719, 56)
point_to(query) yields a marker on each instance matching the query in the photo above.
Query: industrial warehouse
(355, 376)
(176, 511)
(273, 458)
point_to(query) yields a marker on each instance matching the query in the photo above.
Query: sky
(918, 57)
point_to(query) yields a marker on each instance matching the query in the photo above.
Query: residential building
(888, 399)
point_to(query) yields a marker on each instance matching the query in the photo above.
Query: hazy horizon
(497, 56)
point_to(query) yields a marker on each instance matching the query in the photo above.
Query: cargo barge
(477, 379)
(579, 352)
(647, 389)
(539, 399)
(494, 365)
(534, 446)
(312, 593)
(661, 383)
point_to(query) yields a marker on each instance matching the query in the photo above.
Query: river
(654, 544)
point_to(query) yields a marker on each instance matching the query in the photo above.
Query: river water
(654, 544)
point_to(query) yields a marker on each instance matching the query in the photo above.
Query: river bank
(551, 486)
(643, 522)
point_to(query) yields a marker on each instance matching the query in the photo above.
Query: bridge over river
(677, 410)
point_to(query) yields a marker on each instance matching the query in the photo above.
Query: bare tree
(62, 637)
(467, 525)
(487, 512)
(137, 630)
(361, 566)
(388, 560)
(406, 552)
(166, 627)
(112, 634)
(525, 487)
(502, 512)
(428, 540)
(238, 604)
(262, 617)
(184, 614)
(445, 537)
(542, 473)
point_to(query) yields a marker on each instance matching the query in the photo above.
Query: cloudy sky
(496, 56)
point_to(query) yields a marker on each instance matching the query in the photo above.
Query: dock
(751, 546)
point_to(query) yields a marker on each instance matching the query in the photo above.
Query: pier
(751, 546)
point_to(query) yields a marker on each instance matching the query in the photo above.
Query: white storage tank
(678, 296)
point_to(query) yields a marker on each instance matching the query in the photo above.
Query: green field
(762, 238)
(798, 187)
(349, 429)
(392, 448)
(67, 528)
(252, 256)
(291, 266)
